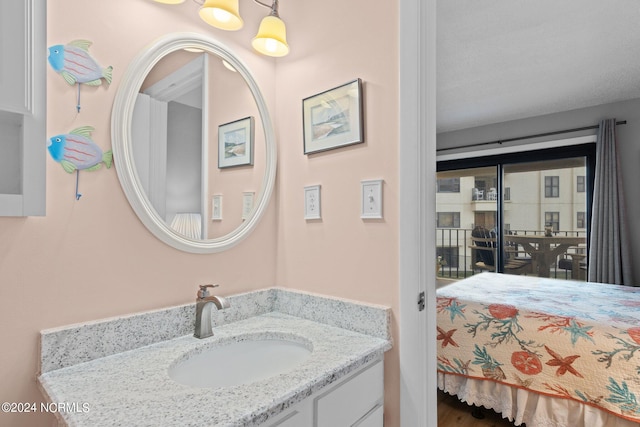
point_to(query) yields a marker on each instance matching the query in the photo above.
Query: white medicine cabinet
(22, 107)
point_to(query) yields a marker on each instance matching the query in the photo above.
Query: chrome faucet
(203, 311)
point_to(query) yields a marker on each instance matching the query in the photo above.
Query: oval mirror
(190, 128)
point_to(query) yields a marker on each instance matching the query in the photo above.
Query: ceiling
(500, 60)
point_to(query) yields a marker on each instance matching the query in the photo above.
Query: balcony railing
(478, 194)
(459, 259)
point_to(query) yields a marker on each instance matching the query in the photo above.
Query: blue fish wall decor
(76, 151)
(76, 66)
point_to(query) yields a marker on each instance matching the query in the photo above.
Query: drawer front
(374, 418)
(350, 401)
(294, 419)
(301, 415)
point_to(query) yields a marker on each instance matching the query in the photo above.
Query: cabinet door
(352, 401)
(375, 418)
(301, 415)
(15, 52)
(22, 107)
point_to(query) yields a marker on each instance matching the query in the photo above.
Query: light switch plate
(216, 207)
(312, 202)
(247, 203)
(371, 204)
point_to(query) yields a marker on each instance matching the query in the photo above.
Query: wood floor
(453, 413)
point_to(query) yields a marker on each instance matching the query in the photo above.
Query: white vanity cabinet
(301, 415)
(22, 107)
(340, 383)
(356, 400)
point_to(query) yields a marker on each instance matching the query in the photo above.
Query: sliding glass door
(525, 214)
(466, 201)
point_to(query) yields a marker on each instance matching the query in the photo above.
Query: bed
(541, 351)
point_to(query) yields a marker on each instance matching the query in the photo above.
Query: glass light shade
(271, 39)
(223, 14)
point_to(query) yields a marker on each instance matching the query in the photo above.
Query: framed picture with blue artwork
(333, 118)
(235, 143)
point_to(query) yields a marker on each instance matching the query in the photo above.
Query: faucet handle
(203, 292)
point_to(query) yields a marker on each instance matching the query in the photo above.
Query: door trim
(418, 393)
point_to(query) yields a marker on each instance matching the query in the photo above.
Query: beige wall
(92, 258)
(334, 42)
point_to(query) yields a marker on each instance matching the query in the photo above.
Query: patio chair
(478, 194)
(483, 242)
(492, 194)
(575, 263)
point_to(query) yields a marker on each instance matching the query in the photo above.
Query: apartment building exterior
(535, 197)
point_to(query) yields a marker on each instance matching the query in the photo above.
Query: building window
(448, 219)
(507, 193)
(448, 185)
(580, 184)
(551, 186)
(580, 220)
(552, 219)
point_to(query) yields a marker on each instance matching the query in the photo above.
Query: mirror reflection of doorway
(184, 169)
(169, 149)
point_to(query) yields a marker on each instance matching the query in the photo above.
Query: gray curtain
(609, 249)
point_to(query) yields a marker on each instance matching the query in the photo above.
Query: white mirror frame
(121, 121)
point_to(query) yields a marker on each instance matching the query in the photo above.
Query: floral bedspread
(565, 339)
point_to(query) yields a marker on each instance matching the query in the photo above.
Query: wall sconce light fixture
(271, 39)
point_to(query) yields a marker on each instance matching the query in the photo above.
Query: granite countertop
(133, 388)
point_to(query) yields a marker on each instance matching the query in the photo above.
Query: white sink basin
(237, 363)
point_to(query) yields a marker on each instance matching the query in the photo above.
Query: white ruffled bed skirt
(532, 409)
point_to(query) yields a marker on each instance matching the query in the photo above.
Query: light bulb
(271, 45)
(272, 37)
(221, 15)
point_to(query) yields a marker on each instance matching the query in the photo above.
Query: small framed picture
(333, 118)
(235, 143)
